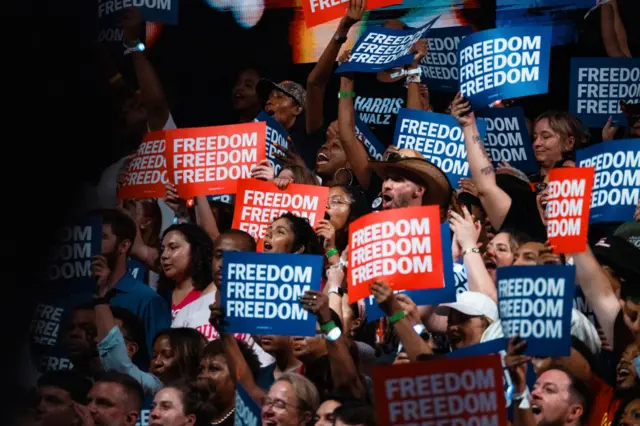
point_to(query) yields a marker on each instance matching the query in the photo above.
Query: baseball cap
(471, 303)
(288, 87)
(621, 252)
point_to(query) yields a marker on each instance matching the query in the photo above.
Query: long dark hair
(358, 207)
(188, 345)
(201, 257)
(304, 235)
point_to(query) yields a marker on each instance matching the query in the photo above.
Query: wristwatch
(337, 290)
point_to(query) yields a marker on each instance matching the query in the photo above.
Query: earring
(335, 175)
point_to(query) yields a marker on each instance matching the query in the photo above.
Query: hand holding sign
(461, 111)
(263, 171)
(355, 12)
(216, 319)
(100, 272)
(466, 230)
(172, 200)
(385, 297)
(420, 50)
(517, 363)
(317, 303)
(609, 130)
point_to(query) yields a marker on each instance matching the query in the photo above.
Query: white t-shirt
(196, 315)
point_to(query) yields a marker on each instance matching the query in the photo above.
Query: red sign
(146, 175)
(567, 210)
(446, 391)
(318, 12)
(259, 203)
(210, 160)
(400, 246)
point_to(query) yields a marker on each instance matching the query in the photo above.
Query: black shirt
(307, 145)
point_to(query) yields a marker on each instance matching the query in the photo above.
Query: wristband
(138, 47)
(336, 290)
(471, 250)
(346, 95)
(332, 252)
(333, 335)
(419, 328)
(396, 317)
(115, 78)
(328, 326)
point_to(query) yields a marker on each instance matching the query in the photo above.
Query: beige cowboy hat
(412, 165)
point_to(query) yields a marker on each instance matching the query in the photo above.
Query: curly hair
(304, 235)
(358, 207)
(215, 348)
(201, 257)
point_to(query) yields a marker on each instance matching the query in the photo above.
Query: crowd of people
(157, 342)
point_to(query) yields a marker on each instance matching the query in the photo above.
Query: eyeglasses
(335, 200)
(276, 403)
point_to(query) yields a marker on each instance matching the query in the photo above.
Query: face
(167, 409)
(175, 255)
(338, 207)
(464, 330)
(551, 401)
(324, 414)
(80, 339)
(244, 95)
(498, 254)
(214, 369)
(399, 192)
(280, 238)
(109, 406)
(528, 254)
(331, 157)
(547, 144)
(281, 406)
(55, 406)
(282, 107)
(631, 414)
(163, 359)
(110, 247)
(274, 344)
(220, 245)
(309, 348)
(626, 374)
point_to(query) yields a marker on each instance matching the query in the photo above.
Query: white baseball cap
(472, 303)
(585, 331)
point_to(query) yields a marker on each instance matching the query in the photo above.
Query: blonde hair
(306, 392)
(566, 125)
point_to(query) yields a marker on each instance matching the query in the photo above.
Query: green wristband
(396, 317)
(332, 252)
(346, 95)
(328, 326)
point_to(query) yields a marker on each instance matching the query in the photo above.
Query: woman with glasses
(291, 401)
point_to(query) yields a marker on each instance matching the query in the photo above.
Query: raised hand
(461, 111)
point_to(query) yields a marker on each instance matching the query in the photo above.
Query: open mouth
(269, 423)
(490, 264)
(267, 246)
(322, 158)
(387, 200)
(622, 374)
(536, 409)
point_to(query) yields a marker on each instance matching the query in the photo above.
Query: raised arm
(321, 73)
(414, 95)
(494, 200)
(205, 217)
(151, 91)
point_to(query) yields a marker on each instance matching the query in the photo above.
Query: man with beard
(118, 234)
(114, 400)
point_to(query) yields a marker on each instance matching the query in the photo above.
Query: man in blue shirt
(118, 234)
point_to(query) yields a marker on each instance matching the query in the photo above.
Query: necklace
(226, 416)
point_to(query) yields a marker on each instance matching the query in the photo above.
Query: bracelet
(332, 252)
(471, 250)
(328, 326)
(419, 328)
(137, 48)
(346, 95)
(115, 78)
(396, 317)
(412, 79)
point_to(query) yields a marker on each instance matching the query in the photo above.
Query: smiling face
(175, 256)
(499, 253)
(331, 157)
(551, 401)
(548, 144)
(626, 374)
(280, 237)
(244, 96)
(281, 406)
(399, 192)
(464, 330)
(167, 409)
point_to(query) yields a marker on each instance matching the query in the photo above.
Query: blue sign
(162, 11)
(535, 303)
(504, 63)
(438, 137)
(460, 277)
(248, 412)
(379, 49)
(508, 138)
(616, 186)
(261, 292)
(440, 66)
(375, 149)
(277, 137)
(425, 297)
(143, 419)
(599, 84)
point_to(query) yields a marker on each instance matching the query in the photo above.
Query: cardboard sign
(258, 203)
(375, 149)
(599, 84)
(162, 11)
(210, 160)
(261, 292)
(535, 302)
(425, 297)
(504, 63)
(508, 138)
(248, 412)
(438, 137)
(379, 49)
(277, 137)
(440, 66)
(616, 185)
(568, 208)
(464, 391)
(146, 176)
(318, 12)
(399, 246)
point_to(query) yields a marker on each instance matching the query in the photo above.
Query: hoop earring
(335, 175)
